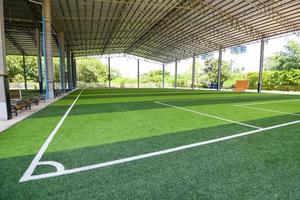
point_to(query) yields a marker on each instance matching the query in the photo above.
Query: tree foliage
(91, 70)
(277, 80)
(16, 69)
(210, 71)
(154, 76)
(287, 59)
(283, 72)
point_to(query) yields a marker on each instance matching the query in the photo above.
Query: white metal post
(138, 73)
(163, 76)
(261, 65)
(193, 72)
(219, 69)
(175, 79)
(109, 76)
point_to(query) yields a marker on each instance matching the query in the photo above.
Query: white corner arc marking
(36, 161)
(60, 170)
(153, 154)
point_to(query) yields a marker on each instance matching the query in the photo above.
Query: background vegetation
(282, 72)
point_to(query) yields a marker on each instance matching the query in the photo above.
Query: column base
(3, 111)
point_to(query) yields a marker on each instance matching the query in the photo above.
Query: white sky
(249, 60)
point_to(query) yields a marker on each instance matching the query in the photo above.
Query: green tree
(14, 66)
(210, 71)
(93, 70)
(87, 75)
(31, 68)
(287, 59)
(154, 76)
(115, 74)
(185, 79)
(56, 69)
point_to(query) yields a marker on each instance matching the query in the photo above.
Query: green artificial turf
(109, 124)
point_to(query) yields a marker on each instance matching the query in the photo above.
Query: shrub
(287, 80)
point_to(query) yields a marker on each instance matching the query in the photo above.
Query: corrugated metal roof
(161, 30)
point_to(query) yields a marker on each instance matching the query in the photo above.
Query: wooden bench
(24, 104)
(57, 93)
(15, 94)
(15, 108)
(42, 98)
(19, 104)
(34, 100)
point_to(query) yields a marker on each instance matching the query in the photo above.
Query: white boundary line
(207, 115)
(268, 110)
(148, 155)
(268, 102)
(36, 161)
(60, 169)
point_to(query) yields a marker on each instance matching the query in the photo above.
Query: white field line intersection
(207, 115)
(62, 171)
(36, 161)
(152, 154)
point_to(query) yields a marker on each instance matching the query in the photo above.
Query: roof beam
(32, 13)
(270, 11)
(155, 26)
(13, 42)
(114, 27)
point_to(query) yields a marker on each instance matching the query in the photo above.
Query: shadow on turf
(225, 169)
(95, 108)
(106, 152)
(149, 93)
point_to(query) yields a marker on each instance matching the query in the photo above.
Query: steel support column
(75, 73)
(219, 70)
(69, 68)
(5, 112)
(193, 72)
(62, 61)
(175, 78)
(261, 65)
(48, 49)
(163, 76)
(72, 71)
(138, 73)
(109, 76)
(24, 72)
(39, 59)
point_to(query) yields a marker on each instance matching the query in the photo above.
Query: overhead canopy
(161, 30)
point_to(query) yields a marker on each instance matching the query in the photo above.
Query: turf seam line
(153, 154)
(36, 161)
(207, 115)
(268, 110)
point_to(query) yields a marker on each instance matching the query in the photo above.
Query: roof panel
(161, 30)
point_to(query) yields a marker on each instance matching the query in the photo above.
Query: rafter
(163, 30)
(15, 44)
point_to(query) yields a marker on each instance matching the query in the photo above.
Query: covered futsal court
(138, 143)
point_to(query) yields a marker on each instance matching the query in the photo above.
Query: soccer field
(155, 144)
